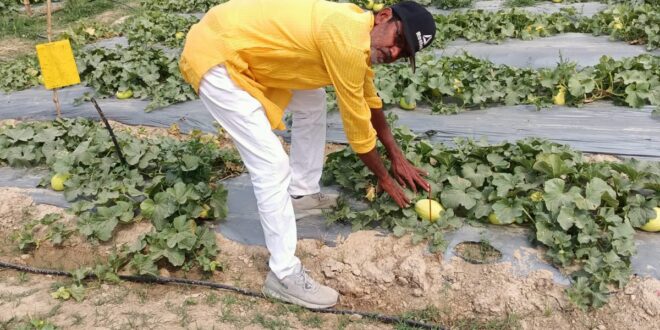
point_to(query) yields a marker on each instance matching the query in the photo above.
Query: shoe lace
(307, 282)
(320, 196)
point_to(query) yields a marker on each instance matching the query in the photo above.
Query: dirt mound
(373, 272)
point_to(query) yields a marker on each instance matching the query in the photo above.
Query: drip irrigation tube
(174, 280)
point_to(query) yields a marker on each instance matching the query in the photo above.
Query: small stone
(25, 256)
(164, 272)
(633, 297)
(355, 317)
(418, 292)
(649, 310)
(356, 272)
(629, 290)
(402, 280)
(329, 273)
(601, 327)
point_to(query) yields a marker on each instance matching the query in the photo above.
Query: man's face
(387, 41)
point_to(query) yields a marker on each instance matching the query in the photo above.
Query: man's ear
(383, 16)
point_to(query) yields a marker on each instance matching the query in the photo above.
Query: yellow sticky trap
(58, 67)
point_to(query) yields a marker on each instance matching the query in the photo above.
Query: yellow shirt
(270, 47)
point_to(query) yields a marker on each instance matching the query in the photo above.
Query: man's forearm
(374, 163)
(384, 133)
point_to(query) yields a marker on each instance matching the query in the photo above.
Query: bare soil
(478, 252)
(372, 271)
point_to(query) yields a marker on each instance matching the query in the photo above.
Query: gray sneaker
(300, 289)
(313, 204)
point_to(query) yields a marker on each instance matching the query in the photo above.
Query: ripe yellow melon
(57, 181)
(654, 224)
(428, 209)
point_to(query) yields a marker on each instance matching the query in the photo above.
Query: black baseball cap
(418, 26)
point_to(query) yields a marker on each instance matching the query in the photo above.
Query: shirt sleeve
(346, 61)
(370, 91)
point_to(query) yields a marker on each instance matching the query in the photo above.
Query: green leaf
(497, 161)
(103, 229)
(453, 198)
(20, 134)
(163, 207)
(581, 83)
(399, 231)
(61, 293)
(508, 211)
(218, 202)
(50, 218)
(566, 217)
(598, 189)
(77, 292)
(459, 183)
(554, 196)
(174, 256)
(504, 183)
(544, 233)
(143, 265)
(476, 173)
(623, 230)
(48, 134)
(147, 208)
(639, 216)
(190, 162)
(551, 164)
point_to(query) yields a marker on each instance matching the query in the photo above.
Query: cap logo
(423, 41)
(419, 40)
(427, 37)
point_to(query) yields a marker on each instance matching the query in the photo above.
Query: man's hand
(402, 170)
(385, 181)
(392, 189)
(407, 174)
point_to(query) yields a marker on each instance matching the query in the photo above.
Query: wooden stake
(430, 201)
(28, 9)
(56, 99)
(48, 19)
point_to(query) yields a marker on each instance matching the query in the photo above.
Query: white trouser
(273, 175)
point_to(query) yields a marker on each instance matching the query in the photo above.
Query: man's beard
(374, 56)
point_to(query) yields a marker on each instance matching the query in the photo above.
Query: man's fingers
(399, 179)
(403, 201)
(411, 184)
(397, 194)
(400, 202)
(422, 183)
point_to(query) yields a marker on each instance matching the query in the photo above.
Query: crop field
(545, 179)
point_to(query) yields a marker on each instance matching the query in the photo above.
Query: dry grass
(14, 47)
